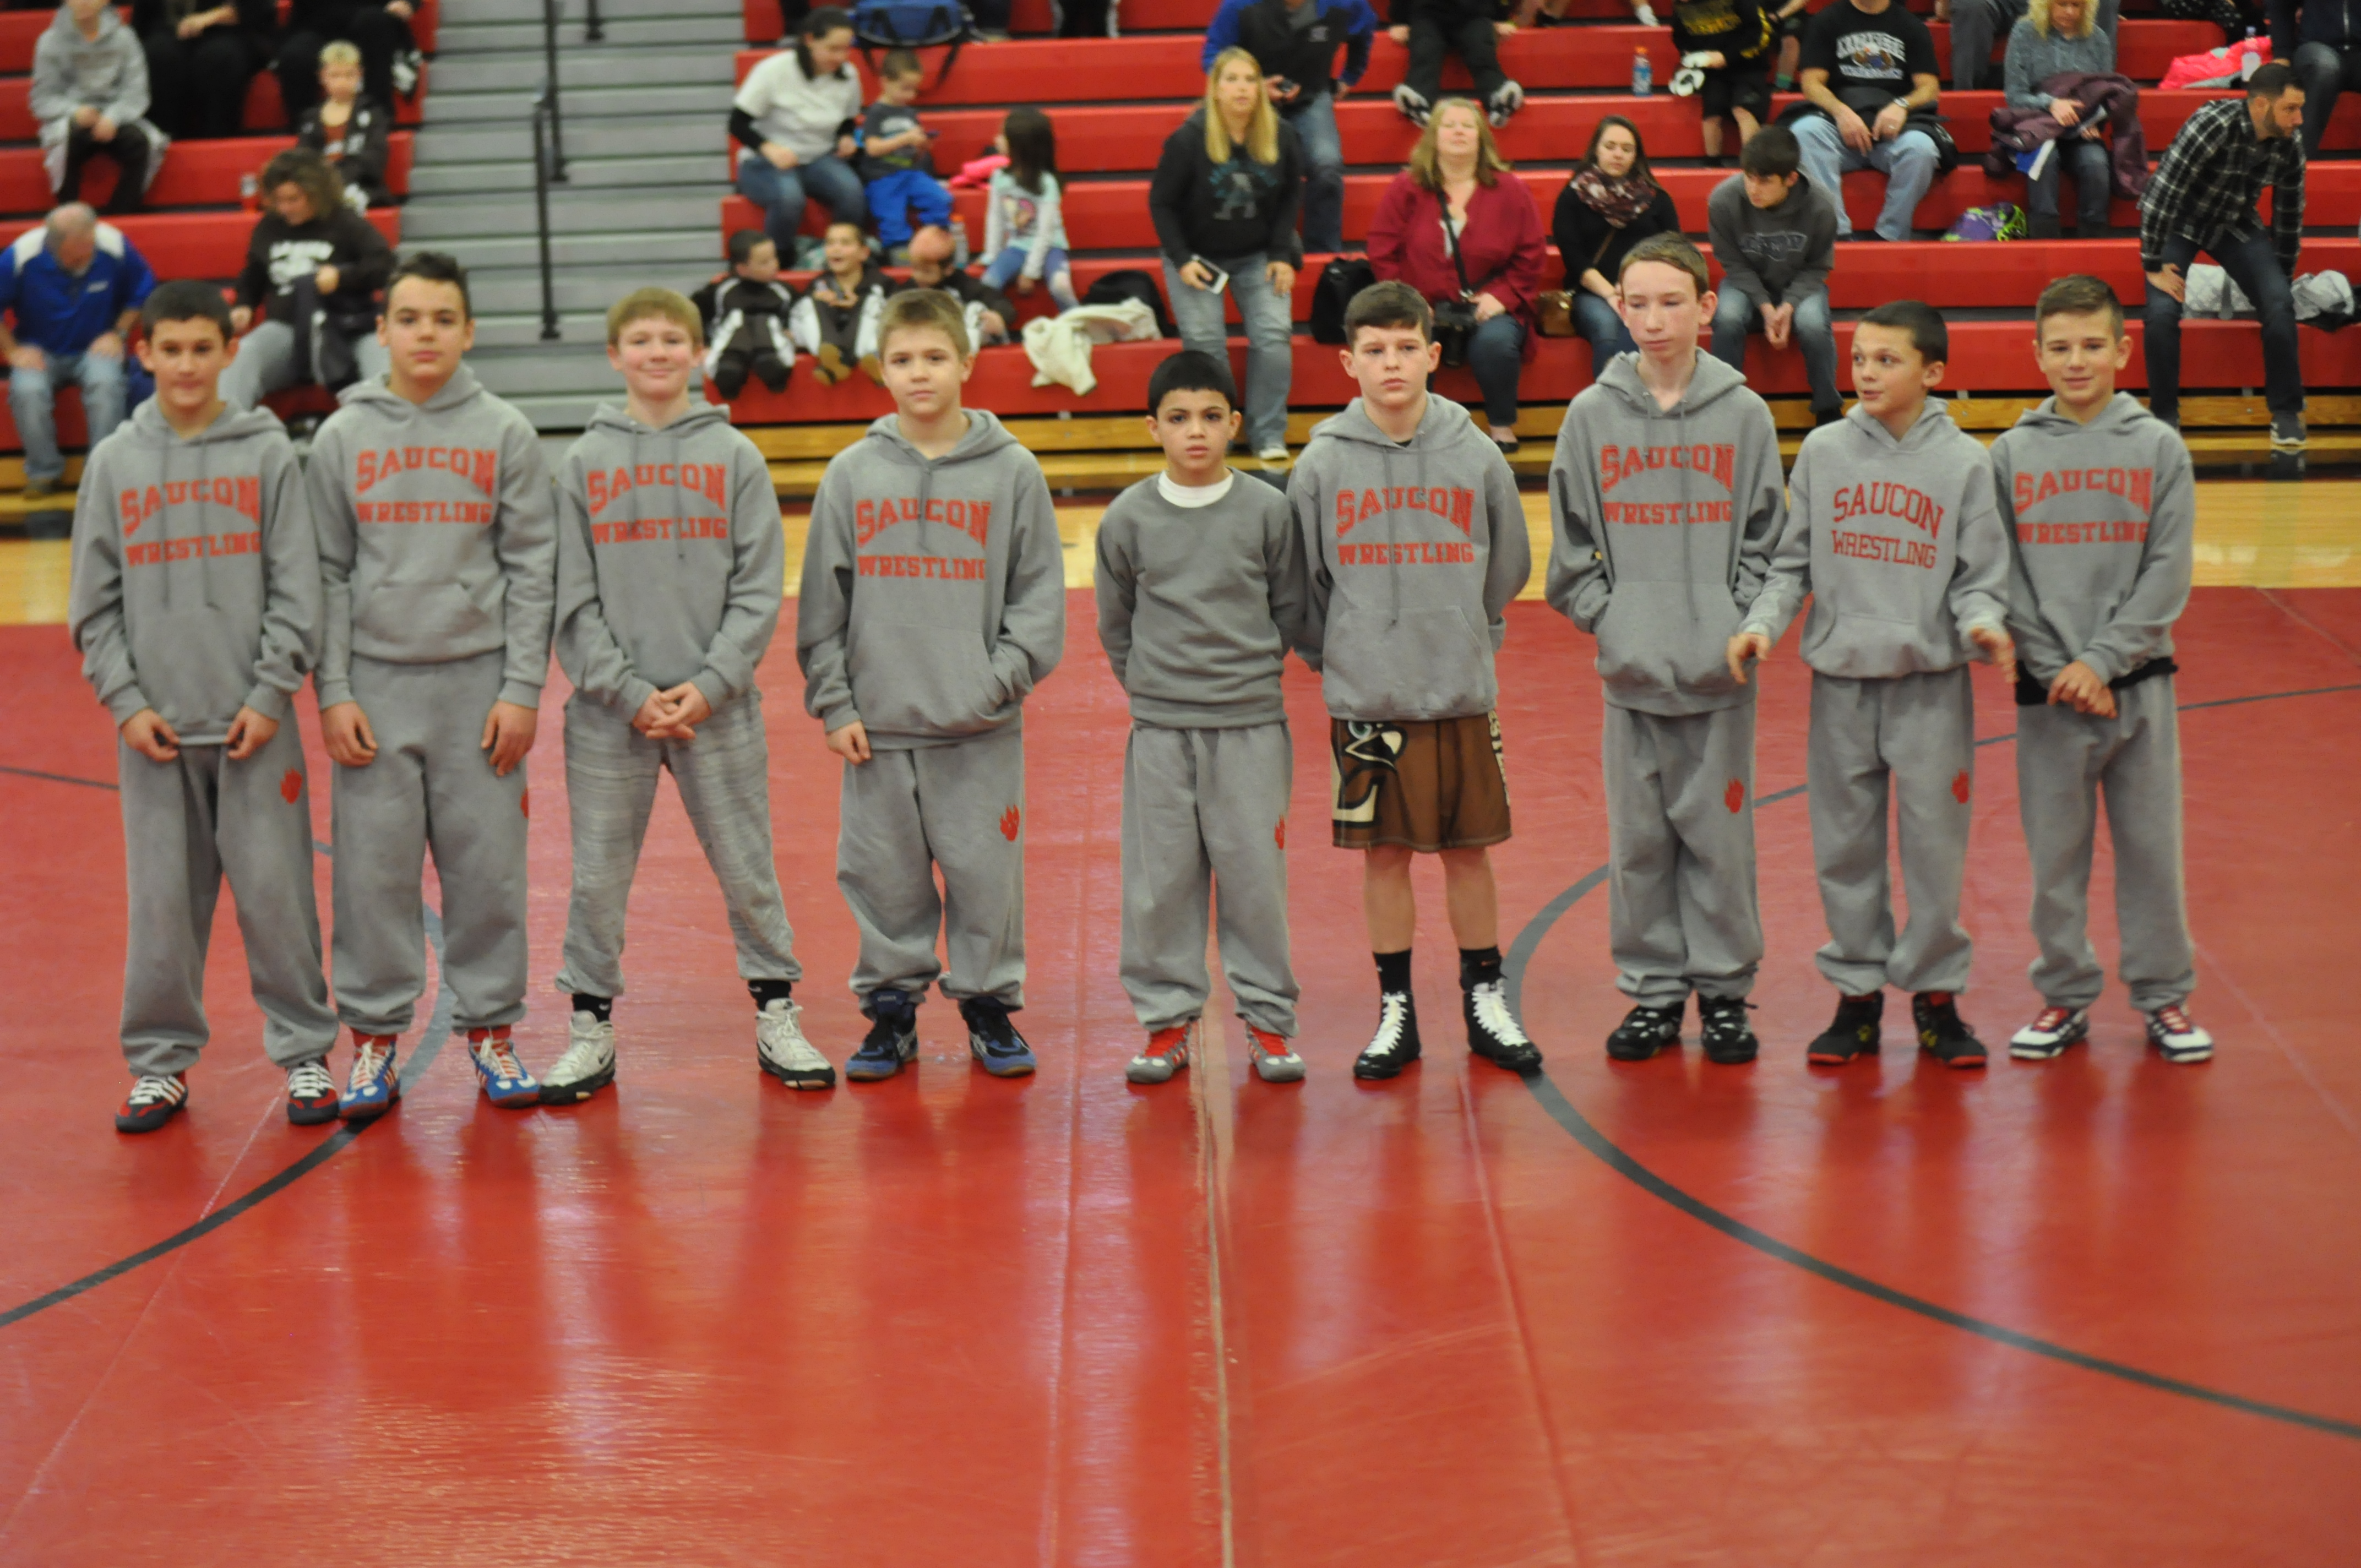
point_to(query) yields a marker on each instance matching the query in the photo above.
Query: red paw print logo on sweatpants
(1961, 788)
(1278, 834)
(524, 804)
(291, 785)
(1734, 798)
(1009, 822)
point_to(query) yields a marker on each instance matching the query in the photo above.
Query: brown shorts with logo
(1426, 785)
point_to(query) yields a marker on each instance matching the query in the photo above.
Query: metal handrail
(593, 29)
(549, 9)
(544, 117)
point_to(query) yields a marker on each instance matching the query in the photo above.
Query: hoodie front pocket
(193, 666)
(1429, 664)
(1668, 637)
(923, 677)
(394, 618)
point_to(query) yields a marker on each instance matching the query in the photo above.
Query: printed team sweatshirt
(196, 574)
(1414, 551)
(934, 590)
(1664, 522)
(1197, 605)
(1897, 543)
(438, 535)
(671, 561)
(2102, 521)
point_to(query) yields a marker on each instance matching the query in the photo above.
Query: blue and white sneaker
(374, 1084)
(994, 1041)
(506, 1082)
(892, 1040)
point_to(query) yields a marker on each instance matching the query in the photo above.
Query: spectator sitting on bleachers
(1224, 198)
(795, 115)
(1610, 204)
(315, 265)
(1976, 23)
(1775, 236)
(1024, 211)
(1453, 196)
(2056, 39)
(347, 129)
(897, 165)
(1731, 41)
(1295, 42)
(745, 316)
(2203, 199)
(379, 28)
(1431, 29)
(1869, 73)
(75, 286)
(199, 58)
(836, 319)
(90, 97)
(990, 317)
(2324, 43)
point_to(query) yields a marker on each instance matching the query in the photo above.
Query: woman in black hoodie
(315, 266)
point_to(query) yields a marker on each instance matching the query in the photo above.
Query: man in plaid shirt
(2202, 199)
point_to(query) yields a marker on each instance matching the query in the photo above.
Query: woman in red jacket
(1457, 175)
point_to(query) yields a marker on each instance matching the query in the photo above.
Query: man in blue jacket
(75, 285)
(1295, 42)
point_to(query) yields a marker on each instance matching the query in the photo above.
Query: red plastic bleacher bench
(195, 173)
(196, 245)
(264, 112)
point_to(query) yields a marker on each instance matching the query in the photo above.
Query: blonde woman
(1225, 199)
(2057, 37)
(1976, 23)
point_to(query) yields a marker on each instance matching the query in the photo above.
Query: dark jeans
(2094, 173)
(1598, 322)
(1738, 314)
(1495, 356)
(1478, 45)
(377, 32)
(1315, 119)
(197, 85)
(130, 151)
(781, 193)
(2324, 72)
(2253, 266)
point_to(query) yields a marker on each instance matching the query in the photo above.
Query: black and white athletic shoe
(1853, 1032)
(2052, 1030)
(311, 1095)
(1644, 1032)
(1502, 106)
(155, 1099)
(1942, 1033)
(2177, 1036)
(1395, 1045)
(893, 1037)
(1723, 1030)
(781, 1050)
(1493, 1032)
(589, 1064)
(1414, 105)
(994, 1041)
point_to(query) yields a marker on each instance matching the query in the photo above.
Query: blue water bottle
(1644, 75)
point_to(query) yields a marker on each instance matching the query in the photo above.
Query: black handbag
(1344, 277)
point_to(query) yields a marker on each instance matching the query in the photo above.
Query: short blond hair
(915, 310)
(340, 53)
(658, 304)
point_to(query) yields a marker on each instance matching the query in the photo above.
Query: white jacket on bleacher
(1059, 346)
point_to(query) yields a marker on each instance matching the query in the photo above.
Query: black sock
(766, 991)
(1479, 965)
(600, 1007)
(1393, 971)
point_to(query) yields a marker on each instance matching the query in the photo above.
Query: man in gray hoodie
(670, 560)
(196, 606)
(438, 549)
(90, 97)
(1666, 499)
(1415, 541)
(1892, 532)
(933, 602)
(2100, 513)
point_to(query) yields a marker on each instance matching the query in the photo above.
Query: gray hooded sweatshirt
(108, 73)
(671, 561)
(1414, 550)
(438, 535)
(1772, 254)
(2102, 521)
(934, 590)
(1898, 543)
(1197, 605)
(196, 574)
(1664, 523)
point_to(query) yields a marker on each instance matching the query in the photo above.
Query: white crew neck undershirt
(1194, 496)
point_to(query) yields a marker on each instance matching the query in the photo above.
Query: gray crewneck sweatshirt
(1414, 551)
(1197, 605)
(934, 589)
(196, 574)
(671, 561)
(438, 535)
(1665, 520)
(1898, 543)
(2034, 57)
(2102, 520)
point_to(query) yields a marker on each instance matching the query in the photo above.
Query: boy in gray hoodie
(1666, 499)
(90, 97)
(1199, 589)
(1892, 532)
(2101, 511)
(1415, 542)
(670, 560)
(196, 606)
(933, 600)
(438, 549)
(1774, 234)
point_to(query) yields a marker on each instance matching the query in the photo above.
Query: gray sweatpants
(724, 780)
(903, 814)
(2064, 760)
(186, 825)
(1203, 808)
(431, 784)
(1680, 910)
(1916, 735)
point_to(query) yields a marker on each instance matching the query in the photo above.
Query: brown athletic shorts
(1428, 784)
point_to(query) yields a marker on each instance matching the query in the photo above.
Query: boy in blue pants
(897, 168)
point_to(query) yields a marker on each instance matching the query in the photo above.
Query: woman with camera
(1462, 231)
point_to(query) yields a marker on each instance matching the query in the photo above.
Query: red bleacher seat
(195, 173)
(196, 245)
(263, 109)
